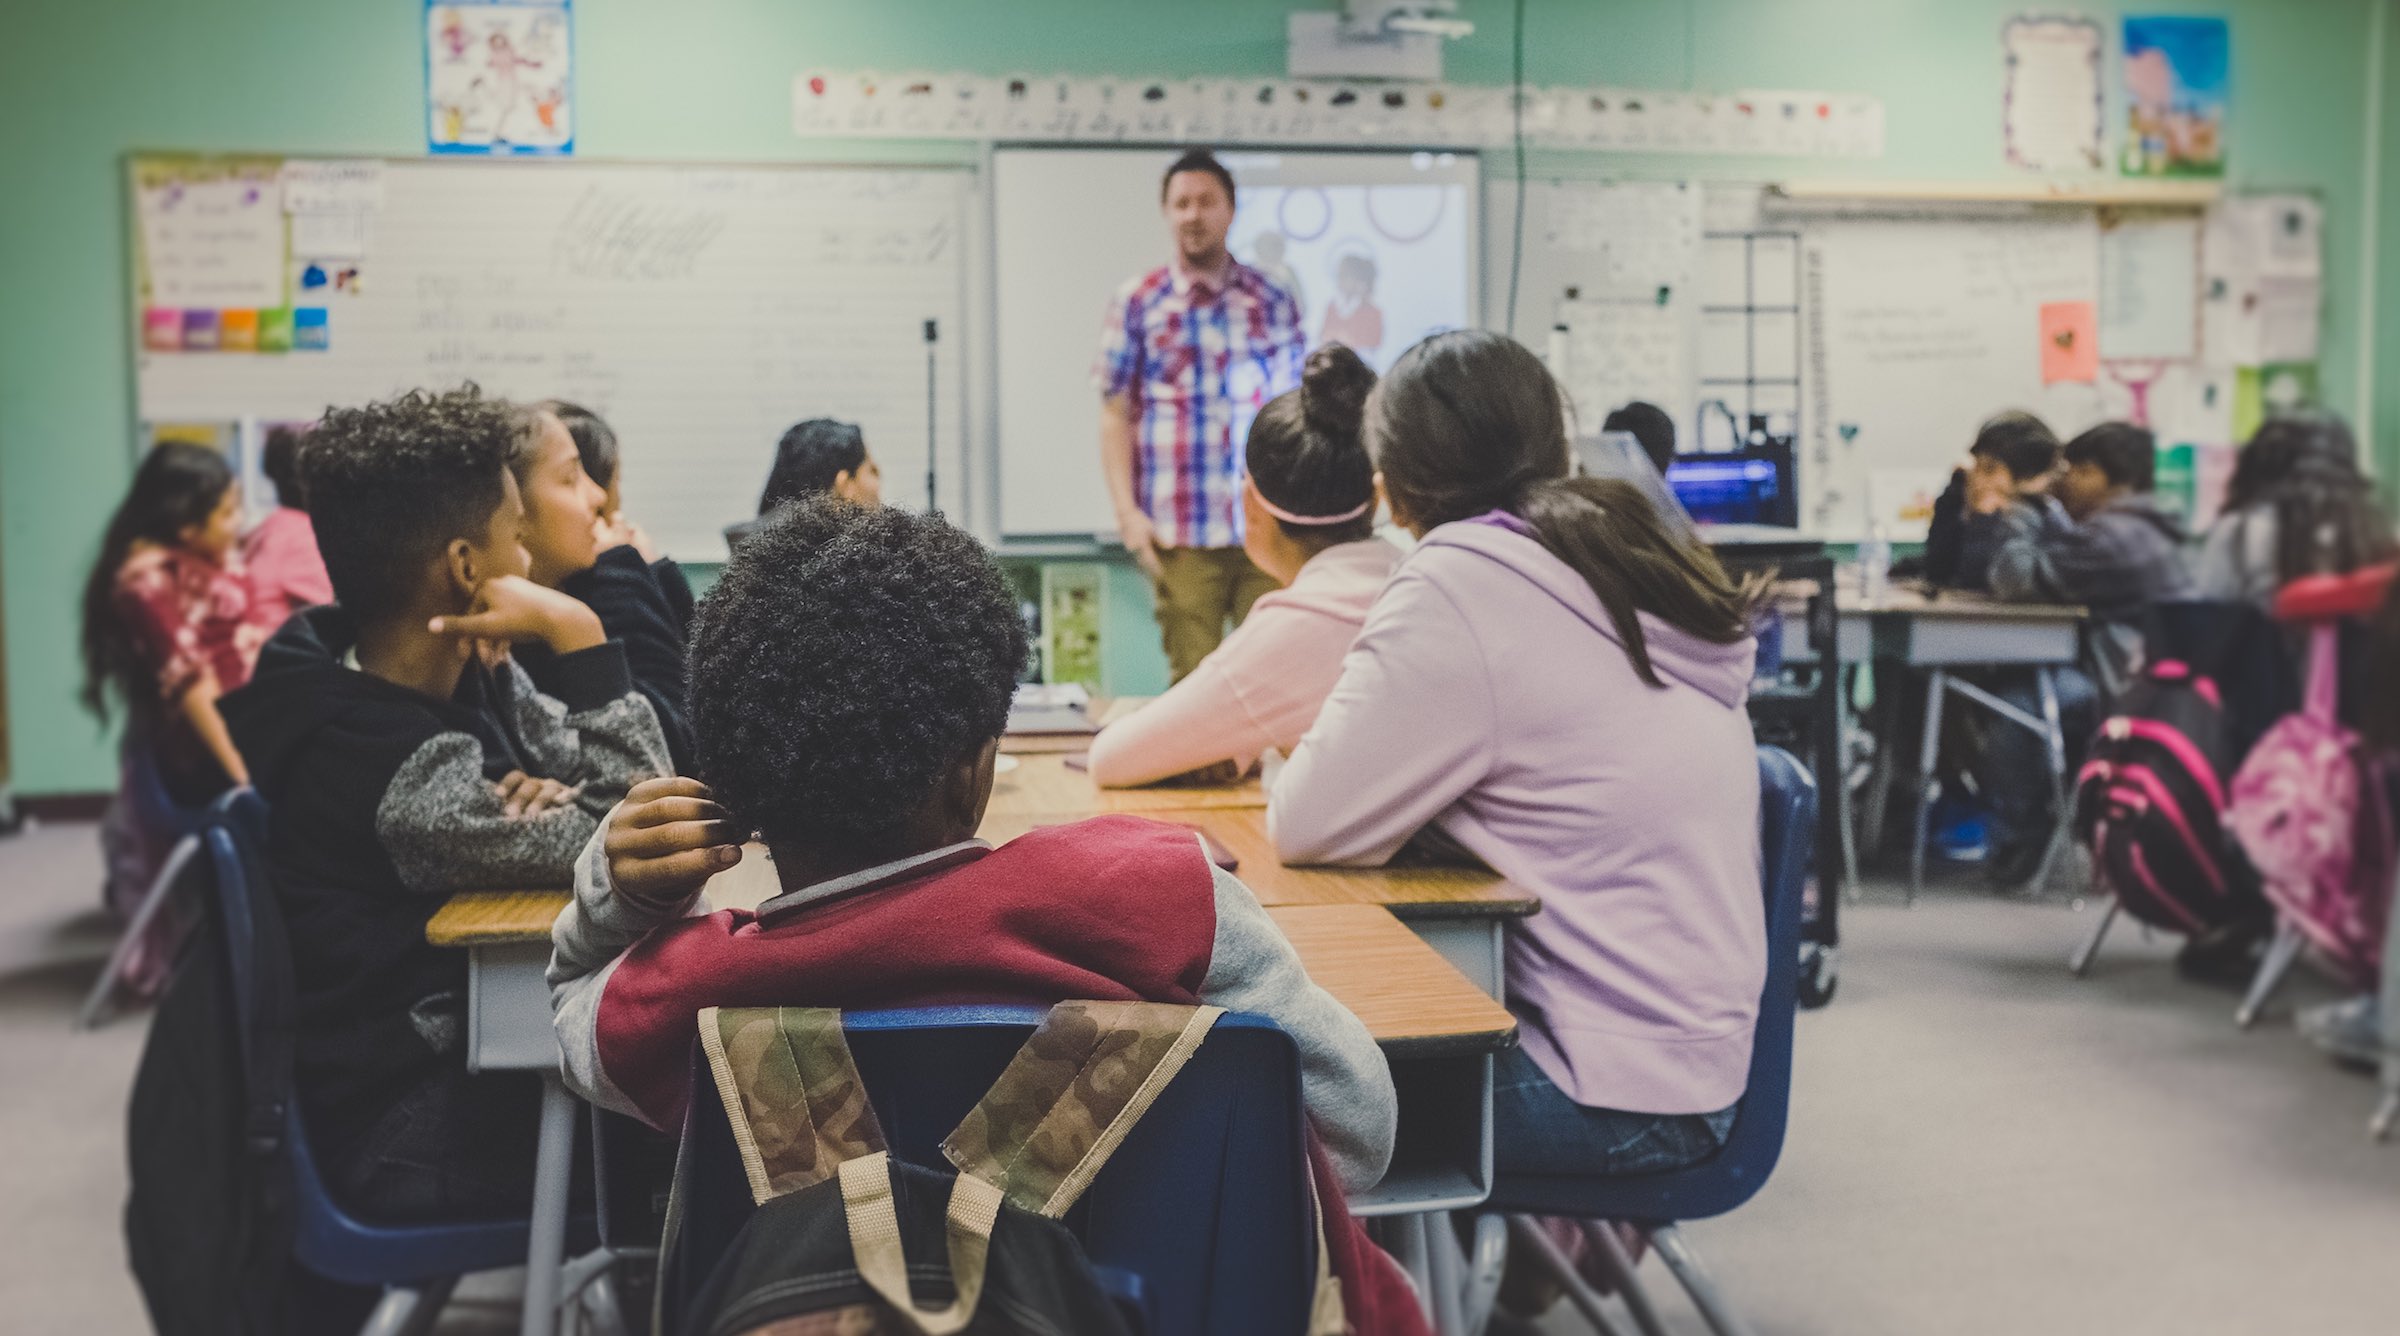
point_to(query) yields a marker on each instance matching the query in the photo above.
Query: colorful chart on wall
(2176, 85)
(499, 76)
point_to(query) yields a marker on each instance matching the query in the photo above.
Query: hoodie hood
(301, 687)
(2143, 508)
(1502, 546)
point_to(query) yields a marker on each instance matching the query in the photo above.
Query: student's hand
(1141, 540)
(618, 531)
(1990, 491)
(528, 795)
(510, 608)
(666, 840)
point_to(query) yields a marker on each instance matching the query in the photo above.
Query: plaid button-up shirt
(1198, 358)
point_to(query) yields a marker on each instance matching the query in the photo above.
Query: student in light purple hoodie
(1556, 683)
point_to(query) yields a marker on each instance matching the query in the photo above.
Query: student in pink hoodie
(1309, 522)
(1556, 683)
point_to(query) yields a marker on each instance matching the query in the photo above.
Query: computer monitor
(1737, 487)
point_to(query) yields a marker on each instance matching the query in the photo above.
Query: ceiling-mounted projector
(1374, 39)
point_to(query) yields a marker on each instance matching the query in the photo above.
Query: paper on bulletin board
(2051, 100)
(332, 185)
(2176, 87)
(2070, 343)
(212, 242)
(499, 76)
(2150, 288)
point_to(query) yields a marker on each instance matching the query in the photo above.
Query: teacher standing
(1190, 352)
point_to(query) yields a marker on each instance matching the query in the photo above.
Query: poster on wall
(2050, 103)
(499, 76)
(2176, 84)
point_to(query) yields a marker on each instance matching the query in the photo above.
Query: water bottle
(1875, 563)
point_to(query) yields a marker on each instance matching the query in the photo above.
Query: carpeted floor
(1979, 1143)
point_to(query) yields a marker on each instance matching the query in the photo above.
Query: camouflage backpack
(848, 1241)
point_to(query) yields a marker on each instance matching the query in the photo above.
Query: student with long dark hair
(168, 621)
(1556, 682)
(814, 458)
(169, 626)
(2296, 505)
(1308, 503)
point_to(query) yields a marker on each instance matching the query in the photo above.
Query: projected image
(1376, 265)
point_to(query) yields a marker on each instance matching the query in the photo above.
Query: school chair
(415, 1265)
(1657, 1204)
(1201, 1219)
(154, 811)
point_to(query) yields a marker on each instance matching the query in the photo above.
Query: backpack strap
(792, 1093)
(874, 1220)
(1071, 1095)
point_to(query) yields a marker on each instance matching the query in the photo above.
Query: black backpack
(208, 1222)
(2150, 804)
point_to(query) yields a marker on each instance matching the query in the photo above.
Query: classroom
(1313, 666)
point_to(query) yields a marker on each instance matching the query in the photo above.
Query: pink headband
(1289, 518)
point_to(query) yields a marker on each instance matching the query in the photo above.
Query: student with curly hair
(405, 761)
(851, 677)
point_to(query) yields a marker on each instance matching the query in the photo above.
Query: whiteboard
(1919, 329)
(1070, 226)
(700, 309)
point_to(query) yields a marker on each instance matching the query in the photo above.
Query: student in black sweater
(575, 549)
(405, 757)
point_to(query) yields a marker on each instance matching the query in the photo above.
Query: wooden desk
(1463, 913)
(1042, 790)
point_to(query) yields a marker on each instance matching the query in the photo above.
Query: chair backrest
(326, 1238)
(1787, 810)
(1206, 1202)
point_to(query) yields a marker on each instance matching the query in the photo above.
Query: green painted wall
(81, 84)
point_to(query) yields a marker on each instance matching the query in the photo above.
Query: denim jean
(1538, 1129)
(2015, 774)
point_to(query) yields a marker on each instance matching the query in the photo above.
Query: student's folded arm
(1344, 1079)
(586, 943)
(1407, 730)
(2021, 571)
(1199, 722)
(442, 824)
(599, 732)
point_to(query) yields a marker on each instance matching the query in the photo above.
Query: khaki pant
(1198, 589)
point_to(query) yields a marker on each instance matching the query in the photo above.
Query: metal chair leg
(2054, 749)
(409, 1312)
(2387, 1113)
(1937, 688)
(2278, 962)
(2082, 962)
(98, 1007)
(1622, 1270)
(1487, 1261)
(1526, 1232)
(1711, 1302)
(1845, 728)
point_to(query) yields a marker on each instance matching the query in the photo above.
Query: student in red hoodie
(851, 676)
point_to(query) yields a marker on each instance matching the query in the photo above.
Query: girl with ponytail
(1557, 682)
(1309, 522)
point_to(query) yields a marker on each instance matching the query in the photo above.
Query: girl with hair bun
(1309, 522)
(1557, 682)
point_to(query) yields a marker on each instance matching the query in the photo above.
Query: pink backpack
(2310, 809)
